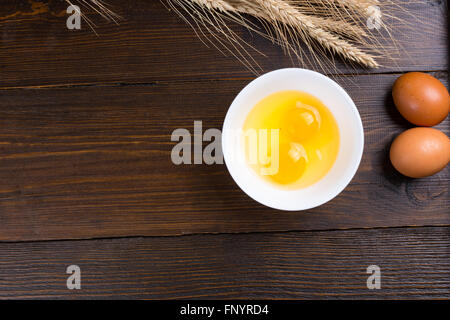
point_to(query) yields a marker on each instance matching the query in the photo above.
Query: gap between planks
(205, 234)
(155, 83)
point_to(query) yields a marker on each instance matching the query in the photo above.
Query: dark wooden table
(86, 177)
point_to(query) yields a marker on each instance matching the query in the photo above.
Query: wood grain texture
(151, 44)
(95, 161)
(414, 263)
(85, 125)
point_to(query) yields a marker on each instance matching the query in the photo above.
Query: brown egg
(421, 99)
(420, 152)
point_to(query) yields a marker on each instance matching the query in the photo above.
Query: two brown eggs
(424, 101)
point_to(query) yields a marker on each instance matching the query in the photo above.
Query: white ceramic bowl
(350, 129)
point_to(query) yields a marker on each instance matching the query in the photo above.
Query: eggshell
(421, 99)
(420, 152)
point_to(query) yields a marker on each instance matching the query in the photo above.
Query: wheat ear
(280, 11)
(219, 5)
(360, 6)
(340, 27)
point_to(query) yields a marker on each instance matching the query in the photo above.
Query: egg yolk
(301, 122)
(294, 140)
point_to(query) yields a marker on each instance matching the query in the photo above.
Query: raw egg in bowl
(292, 139)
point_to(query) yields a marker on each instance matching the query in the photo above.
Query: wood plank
(414, 263)
(95, 161)
(152, 44)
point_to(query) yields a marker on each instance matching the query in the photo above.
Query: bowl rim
(355, 160)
